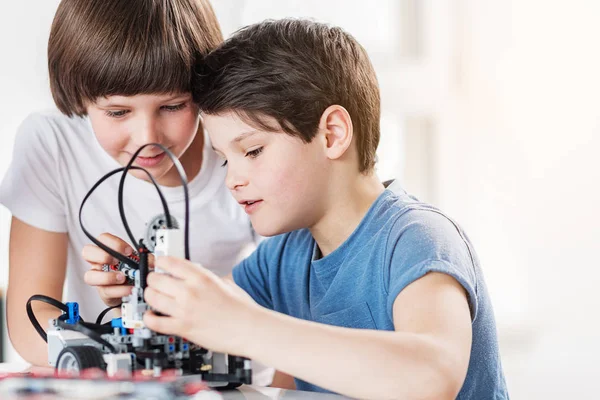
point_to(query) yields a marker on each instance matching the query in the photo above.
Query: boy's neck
(346, 208)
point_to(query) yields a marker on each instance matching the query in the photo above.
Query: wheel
(77, 358)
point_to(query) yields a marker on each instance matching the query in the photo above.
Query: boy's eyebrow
(243, 136)
(116, 102)
(239, 138)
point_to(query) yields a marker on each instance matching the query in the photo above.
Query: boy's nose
(235, 180)
(148, 132)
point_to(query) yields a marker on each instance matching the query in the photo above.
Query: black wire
(47, 300)
(183, 178)
(104, 312)
(107, 249)
(88, 332)
(98, 328)
(33, 319)
(80, 326)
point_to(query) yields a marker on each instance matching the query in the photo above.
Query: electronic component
(125, 346)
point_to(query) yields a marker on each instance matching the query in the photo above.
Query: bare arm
(280, 379)
(37, 265)
(426, 357)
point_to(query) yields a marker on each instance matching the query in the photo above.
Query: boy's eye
(116, 113)
(172, 108)
(254, 153)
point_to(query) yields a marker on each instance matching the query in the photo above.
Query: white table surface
(245, 392)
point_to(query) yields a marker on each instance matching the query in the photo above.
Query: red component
(120, 376)
(194, 387)
(93, 373)
(169, 375)
(171, 339)
(140, 375)
(64, 374)
(130, 330)
(5, 375)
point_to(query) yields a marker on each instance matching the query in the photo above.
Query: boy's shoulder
(396, 221)
(53, 141)
(393, 214)
(54, 116)
(405, 210)
(51, 124)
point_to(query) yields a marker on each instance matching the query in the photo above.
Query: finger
(161, 302)
(163, 324)
(165, 284)
(115, 243)
(181, 268)
(95, 255)
(97, 267)
(94, 277)
(114, 292)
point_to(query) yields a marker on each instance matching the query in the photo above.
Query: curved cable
(104, 312)
(124, 259)
(182, 176)
(33, 319)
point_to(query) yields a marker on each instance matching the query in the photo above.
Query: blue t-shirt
(398, 241)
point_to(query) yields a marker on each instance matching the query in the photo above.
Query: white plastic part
(58, 339)
(169, 242)
(130, 316)
(118, 363)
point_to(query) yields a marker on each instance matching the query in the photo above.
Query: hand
(199, 306)
(110, 285)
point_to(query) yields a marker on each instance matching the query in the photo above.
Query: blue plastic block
(73, 312)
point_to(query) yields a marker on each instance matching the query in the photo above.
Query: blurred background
(490, 111)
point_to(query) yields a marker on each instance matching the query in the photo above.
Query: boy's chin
(144, 177)
(268, 231)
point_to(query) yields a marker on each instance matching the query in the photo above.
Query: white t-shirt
(57, 160)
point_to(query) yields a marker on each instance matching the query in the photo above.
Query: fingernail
(128, 251)
(120, 277)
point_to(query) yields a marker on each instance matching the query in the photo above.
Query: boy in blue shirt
(362, 290)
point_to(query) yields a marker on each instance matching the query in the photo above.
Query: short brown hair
(126, 47)
(291, 70)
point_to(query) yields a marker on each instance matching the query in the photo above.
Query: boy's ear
(336, 125)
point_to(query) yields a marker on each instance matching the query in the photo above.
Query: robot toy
(124, 346)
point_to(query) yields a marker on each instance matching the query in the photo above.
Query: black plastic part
(196, 361)
(86, 356)
(236, 368)
(144, 270)
(229, 386)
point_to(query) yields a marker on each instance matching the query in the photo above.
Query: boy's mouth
(150, 161)
(250, 205)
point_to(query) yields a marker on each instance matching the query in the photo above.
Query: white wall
(517, 165)
(24, 29)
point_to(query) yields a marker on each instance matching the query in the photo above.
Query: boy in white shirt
(120, 74)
